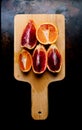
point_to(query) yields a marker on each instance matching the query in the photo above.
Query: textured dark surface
(64, 95)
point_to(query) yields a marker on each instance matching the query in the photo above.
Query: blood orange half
(47, 33)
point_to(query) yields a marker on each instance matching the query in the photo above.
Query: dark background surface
(64, 96)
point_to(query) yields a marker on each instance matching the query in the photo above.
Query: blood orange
(39, 59)
(53, 59)
(47, 33)
(25, 60)
(28, 39)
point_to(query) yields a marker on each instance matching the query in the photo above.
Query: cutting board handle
(39, 100)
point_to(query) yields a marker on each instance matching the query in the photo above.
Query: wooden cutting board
(39, 84)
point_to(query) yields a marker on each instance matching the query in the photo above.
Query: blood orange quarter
(25, 61)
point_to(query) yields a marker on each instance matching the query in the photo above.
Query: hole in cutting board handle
(39, 112)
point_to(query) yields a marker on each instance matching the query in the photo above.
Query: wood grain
(39, 84)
